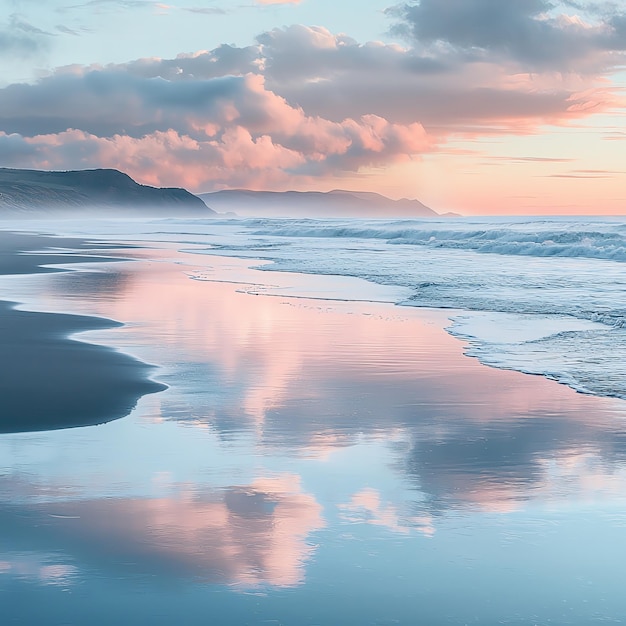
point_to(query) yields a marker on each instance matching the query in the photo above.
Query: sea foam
(561, 278)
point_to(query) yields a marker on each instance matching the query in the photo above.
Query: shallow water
(319, 457)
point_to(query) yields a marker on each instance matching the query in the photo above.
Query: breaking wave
(550, 238)
(562, 280)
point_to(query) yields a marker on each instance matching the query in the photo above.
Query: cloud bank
(526, 32)
(303, 102)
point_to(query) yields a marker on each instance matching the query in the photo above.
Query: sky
(473, 106)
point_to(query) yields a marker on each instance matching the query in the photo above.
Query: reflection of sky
(243, 535)
(323, 447)
(38, 568)
(305, 377)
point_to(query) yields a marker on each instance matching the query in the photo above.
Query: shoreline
(347, 288)
(48, 379)
(302, 441)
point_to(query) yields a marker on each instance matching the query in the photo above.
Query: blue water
(563, 278)
(324, 452)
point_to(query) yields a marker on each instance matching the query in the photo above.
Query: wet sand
(18, 252)
(48, 380)
(313, 462)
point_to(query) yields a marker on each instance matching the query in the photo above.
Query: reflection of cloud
(583, 473)
(41, 569)
(542, 461)
(366, 507)
(309, 378)
(246, 535)
(321, 445)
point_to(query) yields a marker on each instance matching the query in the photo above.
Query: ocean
(344, 429)
(542, 296)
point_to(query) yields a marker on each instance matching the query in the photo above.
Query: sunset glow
(473, 106)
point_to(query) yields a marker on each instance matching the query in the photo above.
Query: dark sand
(48, 381)
(16, 253)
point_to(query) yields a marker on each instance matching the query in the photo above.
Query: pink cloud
(300, 104)
(248, 134)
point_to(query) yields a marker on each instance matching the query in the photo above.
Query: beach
(312, 313)
(300, 450)
(49, 380)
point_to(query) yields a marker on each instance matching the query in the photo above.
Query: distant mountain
(32, 193)
(336, 203)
